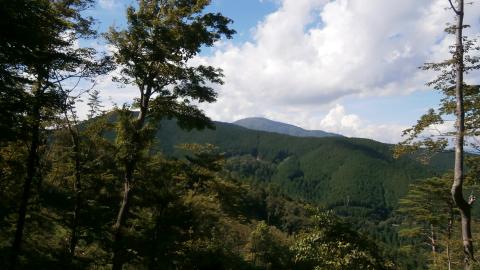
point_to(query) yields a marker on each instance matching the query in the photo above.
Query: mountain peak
(264, 124)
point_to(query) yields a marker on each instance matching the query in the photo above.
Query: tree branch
(453, 7)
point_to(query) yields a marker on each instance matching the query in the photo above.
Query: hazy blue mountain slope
(263, 124)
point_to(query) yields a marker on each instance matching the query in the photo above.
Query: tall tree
(457, 187)
(79, 159)
(19, 36)
(153, 53)
(36, 65)
(462, 101)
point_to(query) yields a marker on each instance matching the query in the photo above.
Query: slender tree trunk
(118, 258)
(77, 189)
(118, 249)
(433, 244)
(457, 187)
(31, 172)
(449, 237)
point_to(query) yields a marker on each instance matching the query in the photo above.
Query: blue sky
(245, 13)
(345, 66)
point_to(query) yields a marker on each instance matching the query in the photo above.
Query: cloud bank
(309, 54)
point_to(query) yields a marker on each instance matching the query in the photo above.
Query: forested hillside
(333, 171)
(103, 193)
(149, 181)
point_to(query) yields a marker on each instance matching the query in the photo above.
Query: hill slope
(263, 124)
(347, 173)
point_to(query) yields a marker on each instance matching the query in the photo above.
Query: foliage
(266, 248)
(242, 204)
(153, 51)
(428, 213)
(153, 54)
(332, 244)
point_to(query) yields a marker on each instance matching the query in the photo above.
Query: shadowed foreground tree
(84, 144)
(41, 63)
(461, 101)
(153, 53)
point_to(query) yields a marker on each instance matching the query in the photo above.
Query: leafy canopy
(154, 53)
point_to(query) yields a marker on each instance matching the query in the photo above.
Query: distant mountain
(263, 124)
(346, 174)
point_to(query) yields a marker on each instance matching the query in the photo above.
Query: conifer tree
(429, 212)
(94, 104)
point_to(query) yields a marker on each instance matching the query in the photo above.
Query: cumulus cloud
(339, 121)
(309, 54)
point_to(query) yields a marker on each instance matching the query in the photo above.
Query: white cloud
(310, 53)
(108, 4)
(339, 121)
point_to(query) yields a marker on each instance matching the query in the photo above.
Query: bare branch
(453, 7)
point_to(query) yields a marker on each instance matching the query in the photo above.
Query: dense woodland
(155, 184)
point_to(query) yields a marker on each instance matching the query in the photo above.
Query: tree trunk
(457, 187)
(433, 244)
(77, 189)
(118, 250)
(118, 258)
(449, 237)
(31, 172)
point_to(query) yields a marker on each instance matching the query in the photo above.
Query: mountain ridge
(308, 168)
(264, 124)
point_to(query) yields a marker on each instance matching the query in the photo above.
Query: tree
(428, 212)
(460, 100)
(94, 104)
(78, 177)
(19, 36)
(332, 244)
(35, 66)
(83, 138)
(266, 250)
(153, 54)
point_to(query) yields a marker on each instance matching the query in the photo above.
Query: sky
(343, 66)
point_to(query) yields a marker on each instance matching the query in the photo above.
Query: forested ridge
(154, 183)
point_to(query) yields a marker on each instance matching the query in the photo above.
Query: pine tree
(94, 104)
(428, 212)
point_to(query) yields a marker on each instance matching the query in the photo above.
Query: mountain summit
(263, 124)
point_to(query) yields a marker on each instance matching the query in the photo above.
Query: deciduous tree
(153, 54)
(460, 100)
